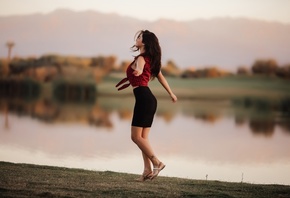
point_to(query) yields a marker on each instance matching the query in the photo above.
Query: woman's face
(139, 42)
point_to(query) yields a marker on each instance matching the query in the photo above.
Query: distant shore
(26, 180)
(209, 88)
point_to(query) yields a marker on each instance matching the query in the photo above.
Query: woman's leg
(139, 135)
(142, 143)
(146, 159)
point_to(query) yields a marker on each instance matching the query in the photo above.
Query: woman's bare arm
(139, 66)
(166, 86)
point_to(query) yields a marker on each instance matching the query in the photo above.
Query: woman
(145, 67)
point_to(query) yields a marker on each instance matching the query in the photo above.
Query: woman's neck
(142, 50)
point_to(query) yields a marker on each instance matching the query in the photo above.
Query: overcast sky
(269, 10)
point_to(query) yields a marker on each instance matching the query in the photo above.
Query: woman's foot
(157, 169)
(145, 176)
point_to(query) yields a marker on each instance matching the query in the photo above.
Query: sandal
(145, 176)
(156, 170)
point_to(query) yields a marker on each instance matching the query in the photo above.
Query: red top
(141, 80)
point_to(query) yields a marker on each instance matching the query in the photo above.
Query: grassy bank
(210, 88)
(24, 180)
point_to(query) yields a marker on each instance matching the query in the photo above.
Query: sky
(151, 10)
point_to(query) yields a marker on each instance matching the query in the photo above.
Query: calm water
(245, 140)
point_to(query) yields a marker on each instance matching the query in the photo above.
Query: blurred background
(228, 62)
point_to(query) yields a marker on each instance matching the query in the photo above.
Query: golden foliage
(211, 72)
(171, 69)
(49, 67)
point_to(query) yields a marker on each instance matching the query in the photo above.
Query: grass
(210, 88)
(25, 180)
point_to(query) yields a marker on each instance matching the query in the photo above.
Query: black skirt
(145, 107)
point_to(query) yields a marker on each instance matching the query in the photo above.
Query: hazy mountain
(225, 42)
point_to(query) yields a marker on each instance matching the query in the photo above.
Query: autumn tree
(211, 72)
(124, 65)
(171, 69)
(267, 67)
(243, 71)
(4, 69)
(104, 63)
(188, 73)
(283, 72)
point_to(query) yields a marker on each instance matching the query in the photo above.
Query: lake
(243, 140)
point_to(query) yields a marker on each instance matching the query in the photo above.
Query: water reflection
(220, 138)
(260, 116)
(263, 115)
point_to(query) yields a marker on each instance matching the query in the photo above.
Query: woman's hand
(173, 97)
(165, 84)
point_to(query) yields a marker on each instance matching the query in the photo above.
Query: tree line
(48, 67)
(266, 67)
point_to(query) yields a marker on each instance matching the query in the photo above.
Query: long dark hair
(152, 50)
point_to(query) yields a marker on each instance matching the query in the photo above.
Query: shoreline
(27, 180)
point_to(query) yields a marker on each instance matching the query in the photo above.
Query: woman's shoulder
(144, 57)
(140, 56)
